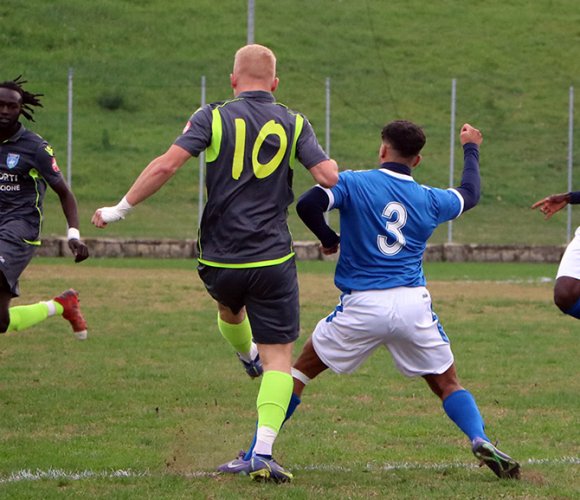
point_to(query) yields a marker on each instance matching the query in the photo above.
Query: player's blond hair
(255, 62)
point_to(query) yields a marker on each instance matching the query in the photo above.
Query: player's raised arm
(151, 179)
(470, 188)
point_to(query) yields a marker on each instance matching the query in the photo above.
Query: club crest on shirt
(12, 160)
(49, 150)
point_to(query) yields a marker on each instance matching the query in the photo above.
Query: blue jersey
(386, 219)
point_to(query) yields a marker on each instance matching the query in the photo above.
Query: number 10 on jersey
(261, 170)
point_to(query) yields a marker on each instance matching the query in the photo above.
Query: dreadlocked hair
(29, 100)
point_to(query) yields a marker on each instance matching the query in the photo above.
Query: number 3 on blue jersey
(396, 216)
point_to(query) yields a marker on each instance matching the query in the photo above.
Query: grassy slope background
(514, 62)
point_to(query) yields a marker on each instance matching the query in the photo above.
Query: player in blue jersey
(567, 287)
(386, 219)
(27, 166)
(246, 259)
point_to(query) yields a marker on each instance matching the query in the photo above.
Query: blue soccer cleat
(258, 468)
(266, 469)
(235, 466)
(254, 368)
(502, 465)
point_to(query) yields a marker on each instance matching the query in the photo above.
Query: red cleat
(69, 300)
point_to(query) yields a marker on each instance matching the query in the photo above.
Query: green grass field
(138, 67)
(154, 399)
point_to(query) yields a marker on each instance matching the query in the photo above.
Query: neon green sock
(58, 308)
(239, 336)
(23, 317)
(273, 399)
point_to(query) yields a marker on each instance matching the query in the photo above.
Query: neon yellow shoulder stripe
(213, 151)
(247, 265)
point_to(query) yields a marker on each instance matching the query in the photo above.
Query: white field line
(530, 281)
(59, 474)
(28, 475)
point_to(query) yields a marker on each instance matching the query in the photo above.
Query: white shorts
(570, 263)
(401, 319)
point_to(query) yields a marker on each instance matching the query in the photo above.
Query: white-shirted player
(386, 219)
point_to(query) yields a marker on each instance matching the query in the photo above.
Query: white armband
(73, 234)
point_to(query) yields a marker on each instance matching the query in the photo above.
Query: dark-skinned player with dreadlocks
(27, 166)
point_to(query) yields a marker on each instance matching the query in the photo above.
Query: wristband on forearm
(574, 198)
(73, 234)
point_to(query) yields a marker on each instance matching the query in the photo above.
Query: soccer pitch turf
(154, 399)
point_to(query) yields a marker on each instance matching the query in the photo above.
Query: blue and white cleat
(254, 368)
(502, 465)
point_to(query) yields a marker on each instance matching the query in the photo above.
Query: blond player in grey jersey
(246, 258)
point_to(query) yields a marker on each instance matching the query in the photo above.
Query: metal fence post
(452, 152)
(570, 156)
(70, 130)
(201, 165)
(327, 128)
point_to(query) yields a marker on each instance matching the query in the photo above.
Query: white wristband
(73, 233)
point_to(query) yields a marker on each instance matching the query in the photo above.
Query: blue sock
(574, 311)
(294, 402)
(248, 454)
(460, 407)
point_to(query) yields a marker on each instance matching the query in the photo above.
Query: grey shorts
(15, 252)
(270, 295)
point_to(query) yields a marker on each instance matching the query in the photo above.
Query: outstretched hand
(552, 204)
(104, 215)
(79, 250)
